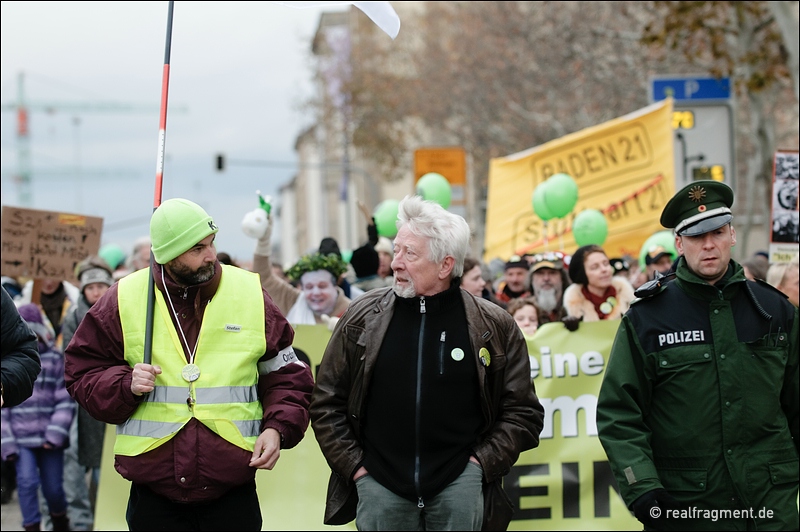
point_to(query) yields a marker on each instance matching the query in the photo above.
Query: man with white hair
(423, 400)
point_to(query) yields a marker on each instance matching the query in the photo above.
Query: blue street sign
(692, 89)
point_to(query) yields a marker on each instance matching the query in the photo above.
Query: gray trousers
(458, 507)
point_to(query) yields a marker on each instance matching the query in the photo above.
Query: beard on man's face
(407, 291)
(546, 299)
(185, 276)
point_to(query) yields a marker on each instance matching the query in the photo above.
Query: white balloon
(255, 223)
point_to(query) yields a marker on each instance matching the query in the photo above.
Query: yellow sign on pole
(450, 162)
(623, 168)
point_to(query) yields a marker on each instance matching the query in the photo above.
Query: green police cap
(699, 207)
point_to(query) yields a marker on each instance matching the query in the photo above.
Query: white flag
(381, 13)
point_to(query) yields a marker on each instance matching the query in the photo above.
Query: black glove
(651, 508)
(571, 322)
(372, 232)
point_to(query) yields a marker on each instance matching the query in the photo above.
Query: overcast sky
(238, 73)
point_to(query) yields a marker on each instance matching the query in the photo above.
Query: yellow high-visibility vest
(225, 396)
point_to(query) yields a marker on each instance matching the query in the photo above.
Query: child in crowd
(525, 313)
(36, 432)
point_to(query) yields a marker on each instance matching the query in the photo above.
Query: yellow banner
(564, 484)
(623, 168)
(292, 495)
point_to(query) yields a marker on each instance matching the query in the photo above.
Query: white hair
(448, 234)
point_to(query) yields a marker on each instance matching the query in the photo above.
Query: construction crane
(22, 107)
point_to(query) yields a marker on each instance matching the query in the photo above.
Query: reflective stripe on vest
(232, 339)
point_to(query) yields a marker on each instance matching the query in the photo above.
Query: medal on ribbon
(190, 372)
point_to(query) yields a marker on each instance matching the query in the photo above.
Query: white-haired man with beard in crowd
(548, 281)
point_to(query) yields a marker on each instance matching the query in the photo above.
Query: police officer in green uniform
(698, 410)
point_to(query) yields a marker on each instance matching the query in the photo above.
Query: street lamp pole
(687, 159)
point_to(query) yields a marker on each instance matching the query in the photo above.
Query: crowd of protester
(534, 289)
(588, 285)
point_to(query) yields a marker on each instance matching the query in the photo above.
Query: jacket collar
(441, 302)
(693, 284)
(204, 291)
(383, 310)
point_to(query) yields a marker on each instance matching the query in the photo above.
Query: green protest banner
(564, 484)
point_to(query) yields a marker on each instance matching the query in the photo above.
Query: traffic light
(220, 162)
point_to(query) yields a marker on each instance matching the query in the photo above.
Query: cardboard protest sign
(46, 244)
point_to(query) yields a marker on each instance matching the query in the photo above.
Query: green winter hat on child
(176, 226)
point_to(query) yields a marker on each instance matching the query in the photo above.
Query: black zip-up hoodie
(423, 412)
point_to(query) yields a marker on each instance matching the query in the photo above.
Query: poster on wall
(785, 234)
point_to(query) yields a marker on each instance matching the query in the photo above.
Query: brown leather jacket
(513, 416)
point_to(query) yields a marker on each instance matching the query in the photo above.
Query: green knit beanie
(176, 226)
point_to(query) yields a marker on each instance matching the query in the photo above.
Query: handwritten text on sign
(46, 244)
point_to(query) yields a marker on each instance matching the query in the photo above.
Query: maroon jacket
(197, 464)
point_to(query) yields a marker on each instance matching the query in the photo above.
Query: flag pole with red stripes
(162, 134)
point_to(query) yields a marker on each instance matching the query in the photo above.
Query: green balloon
(386, 217)
(112, 254)
(590, 227)
(539, 206)
(664, 239)
(561, 195)
(435, 187)
(347, 254)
